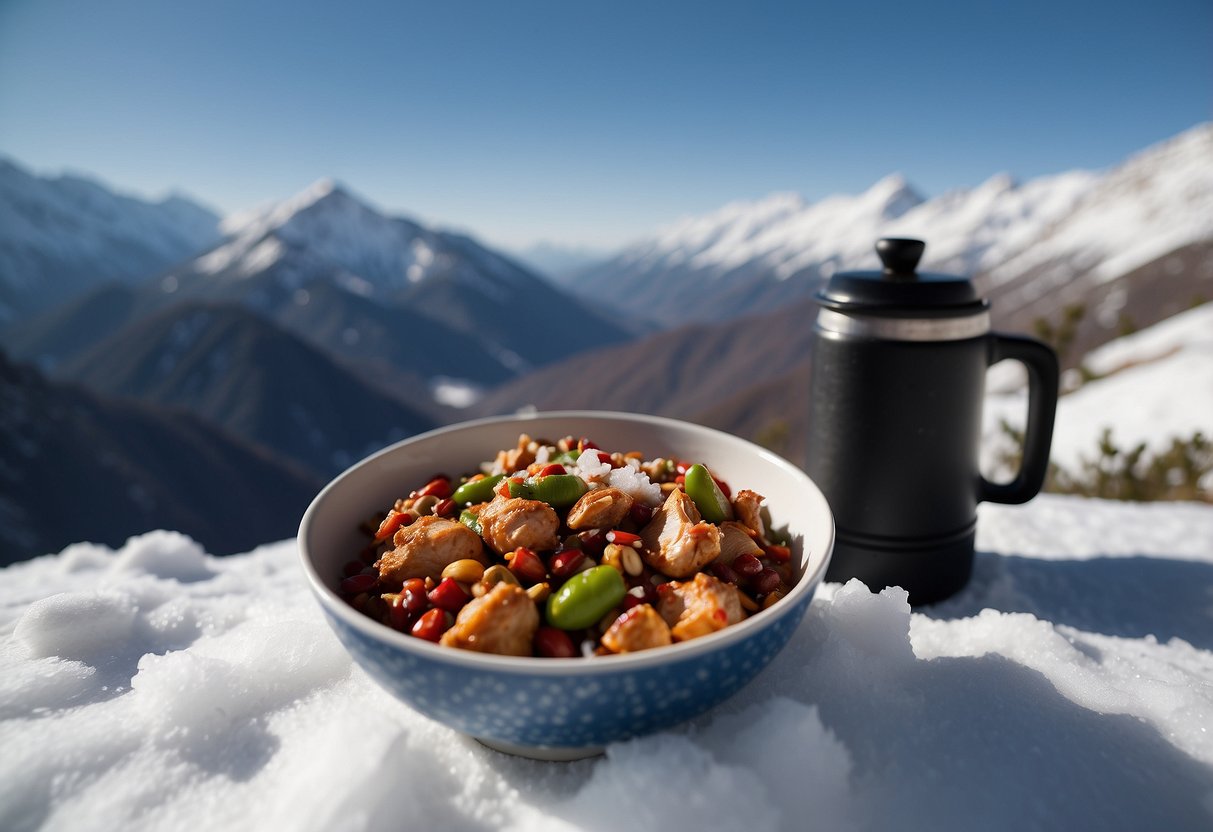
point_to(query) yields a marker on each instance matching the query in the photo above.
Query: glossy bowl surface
(562, 708)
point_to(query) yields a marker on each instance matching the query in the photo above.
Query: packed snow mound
(1069, 686)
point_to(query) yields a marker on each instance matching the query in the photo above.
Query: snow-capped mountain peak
(335, 227)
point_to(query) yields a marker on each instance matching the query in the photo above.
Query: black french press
(898, 377)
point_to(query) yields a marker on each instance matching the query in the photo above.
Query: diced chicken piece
(677, 541)
(735, 540)
(640, 628)
(503, 621)
(748, 507)
(425, 547)
(600, 508)
(516, 459)
(699, 607)
(510, 522)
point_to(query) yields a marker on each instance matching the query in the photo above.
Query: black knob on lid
(899, 290)
(900, 255)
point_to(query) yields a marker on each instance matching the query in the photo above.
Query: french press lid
(899, 289)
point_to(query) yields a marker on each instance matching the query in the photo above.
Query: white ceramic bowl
(562, 708)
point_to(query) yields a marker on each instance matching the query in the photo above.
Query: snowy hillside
(1155, 202)
(63, 235)
(1067, 687)
(1153, 386)
(1042, 231)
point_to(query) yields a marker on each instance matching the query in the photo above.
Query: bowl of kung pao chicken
(552, 583)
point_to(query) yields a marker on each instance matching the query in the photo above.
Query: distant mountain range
(75, 466)
(62, 235)
(1021, 241)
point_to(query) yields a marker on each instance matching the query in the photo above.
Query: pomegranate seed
(352, 568)
(640, 514)
(359, 583)
(681, 479)
(432, 625)
(725, 572)
(448, 595)
(445, 508)
(622, 538)
(439, 487)
(527, 565)
(746, 565)
(584, 444)
(592, 543)
(682, 467)
(413, 596)
(567, 562)
(775, 552)
(554, 468)
(766, 581)
(393, 521)
(551, 643)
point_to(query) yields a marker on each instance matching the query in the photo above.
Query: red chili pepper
(554, 468)
(393, 521)
(448, 595)
(622, 538)
(439, 487)
(527, 565)
(432, 625)
(566, 563)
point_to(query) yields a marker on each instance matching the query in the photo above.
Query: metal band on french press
(904, 329)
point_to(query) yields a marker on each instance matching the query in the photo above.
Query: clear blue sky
(589, 122)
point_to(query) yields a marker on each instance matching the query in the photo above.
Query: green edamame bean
(585, 598)
(709, 499)
(477, 491)
(557, 490)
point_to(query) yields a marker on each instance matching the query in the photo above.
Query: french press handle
(1043, 377)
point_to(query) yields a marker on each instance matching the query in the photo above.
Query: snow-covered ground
(1070, 686)
(1153, 386)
